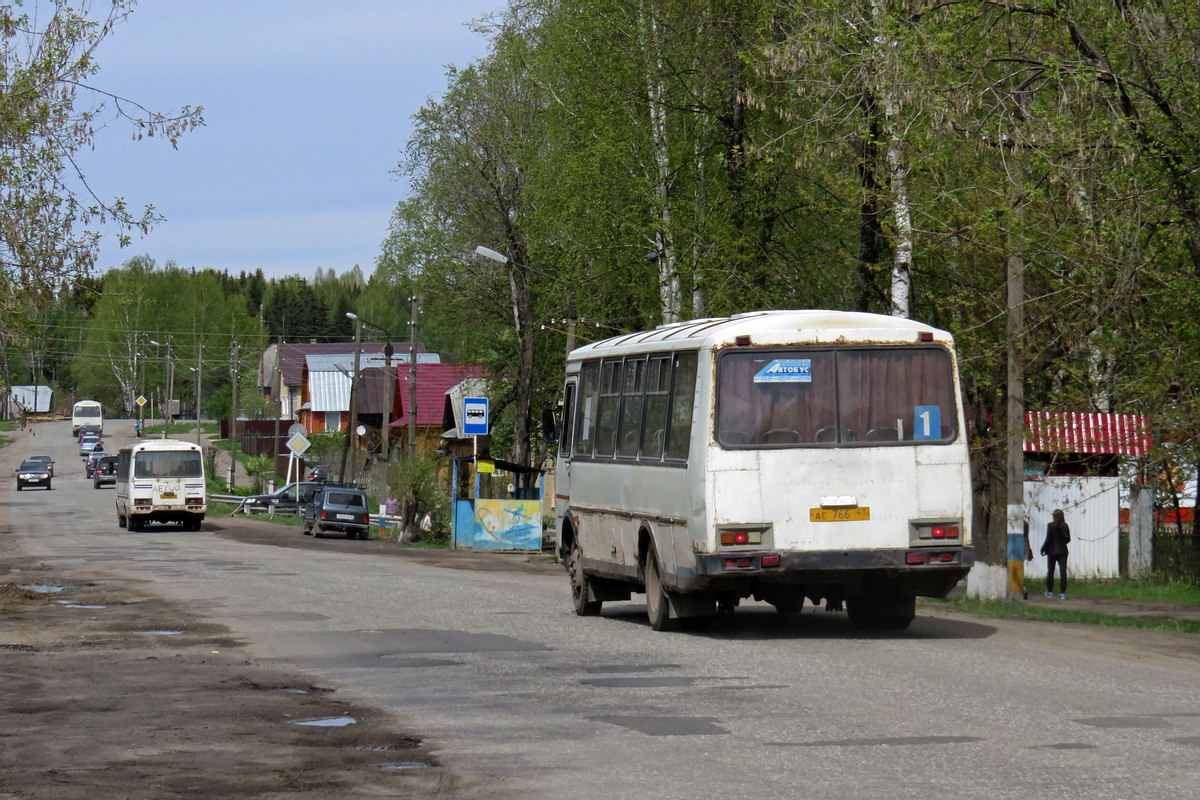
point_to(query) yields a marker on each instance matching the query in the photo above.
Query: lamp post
(168, 412)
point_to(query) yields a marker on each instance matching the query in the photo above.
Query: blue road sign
(475, 416)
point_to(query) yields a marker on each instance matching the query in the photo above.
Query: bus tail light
(771, 560)
(734, 538)
(739, 563)
(914, 557)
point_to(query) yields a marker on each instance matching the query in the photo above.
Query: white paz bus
(161, 480)
(779, 455)
(86, 412)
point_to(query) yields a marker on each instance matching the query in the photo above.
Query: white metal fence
(1091, 507)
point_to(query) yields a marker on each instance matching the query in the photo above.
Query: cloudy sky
(308, 105)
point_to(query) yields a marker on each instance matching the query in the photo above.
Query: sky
(307, 105)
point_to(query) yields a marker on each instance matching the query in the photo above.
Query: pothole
(41, 588)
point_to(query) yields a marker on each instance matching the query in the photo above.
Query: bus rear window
(168, 464)
(87, 411)
(851, 396)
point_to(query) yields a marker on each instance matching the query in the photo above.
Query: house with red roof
(433, 381)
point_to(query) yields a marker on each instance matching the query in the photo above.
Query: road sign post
(297, 445)
(475, 419)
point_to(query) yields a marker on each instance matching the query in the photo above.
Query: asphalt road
(495, 672)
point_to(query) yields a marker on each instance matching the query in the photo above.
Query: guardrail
(227, 498)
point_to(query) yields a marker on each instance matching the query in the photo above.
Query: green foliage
(258, 469)
(326, 449)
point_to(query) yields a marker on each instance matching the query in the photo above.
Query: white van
(86, 412)
(160, 480)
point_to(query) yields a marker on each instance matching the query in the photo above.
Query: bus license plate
(839, 514)
(167, 495)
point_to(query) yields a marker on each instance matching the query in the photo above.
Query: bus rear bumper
(926, 571)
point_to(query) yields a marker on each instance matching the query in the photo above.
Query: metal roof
(1080, 432)
(770, 327)
(329, 390)
(291, 357)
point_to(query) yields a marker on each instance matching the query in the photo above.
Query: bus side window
(658, 389)
(568, 417)
(629, 431)
(683, 399)
(610, 403)
(585, 408)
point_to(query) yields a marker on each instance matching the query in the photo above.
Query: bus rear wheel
(581, 587)
(658, 607)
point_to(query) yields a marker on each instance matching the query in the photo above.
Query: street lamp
(168, 413)
(488, 252)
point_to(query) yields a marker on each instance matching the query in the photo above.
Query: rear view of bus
(160, 481)
(817, 455)
(86, 412)
(840, 468)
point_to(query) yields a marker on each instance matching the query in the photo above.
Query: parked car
(289, 499)
(47, 461)
(89, 443)
(89, 463)
(33, 473)
(104, 473)
(318, 473)
(337, 508)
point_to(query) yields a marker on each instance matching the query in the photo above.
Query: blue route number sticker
(927, 422)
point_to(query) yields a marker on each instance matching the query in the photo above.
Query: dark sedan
(45, 461)
(89, 463)
(289, 500)
(105, 472)
(33, 473)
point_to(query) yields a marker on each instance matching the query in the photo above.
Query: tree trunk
(664, 245)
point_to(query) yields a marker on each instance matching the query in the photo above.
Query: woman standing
(1058, 534)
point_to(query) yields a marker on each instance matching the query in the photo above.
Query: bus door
(566, 434)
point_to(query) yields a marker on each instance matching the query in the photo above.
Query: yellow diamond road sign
(298, 444)
(141, 401)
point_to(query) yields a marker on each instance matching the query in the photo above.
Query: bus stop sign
(475, 416)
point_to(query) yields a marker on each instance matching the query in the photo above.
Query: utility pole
(353, 396)
(233, 403)
(1014, 333)
(170, 389)
(412, 375)
(276, 391)
(389, 396)
(571, 320)
(199, 371)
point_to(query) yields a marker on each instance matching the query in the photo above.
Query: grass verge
(999, 609)
(178, 429)
(6, 425)
(1149, 590)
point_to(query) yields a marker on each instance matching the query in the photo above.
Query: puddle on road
(404, 765)
(159, 633)
(327, 722)
(41, 588)
(293, 691)
(65, 604)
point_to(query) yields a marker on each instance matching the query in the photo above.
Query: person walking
(1058, 534)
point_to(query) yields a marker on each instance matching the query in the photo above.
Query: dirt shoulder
(110, 691)
(256, 530)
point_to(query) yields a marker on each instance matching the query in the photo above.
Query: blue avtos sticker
(786, 370)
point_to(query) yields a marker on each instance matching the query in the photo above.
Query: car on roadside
(33, 473)
(336, 508)
(89, 443)
(289, 499)
(319, 473)
(89, 463)
(104, 473)
(45, 460)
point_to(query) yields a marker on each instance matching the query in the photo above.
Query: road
(497, 675)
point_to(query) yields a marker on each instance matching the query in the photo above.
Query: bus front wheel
(581, 586)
